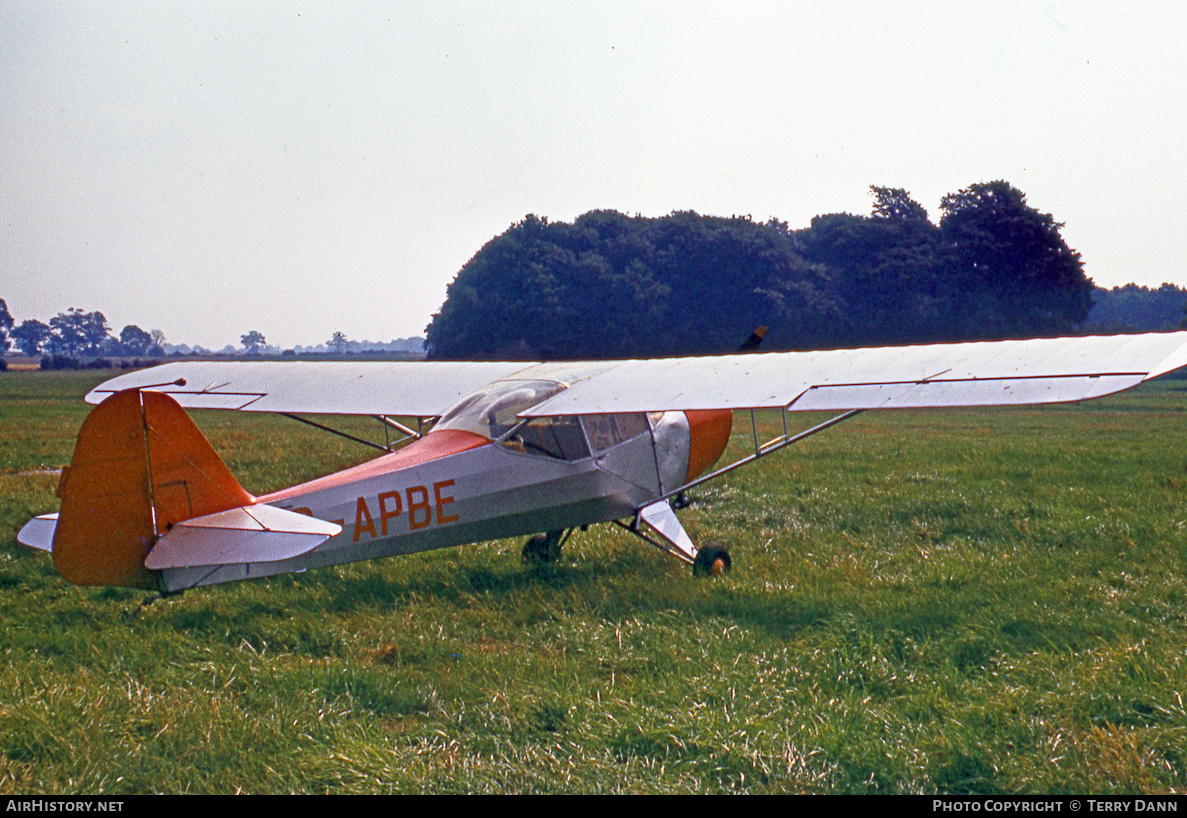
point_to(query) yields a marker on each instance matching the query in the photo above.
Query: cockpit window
(607, 431)
(492, 411)
(558, 437)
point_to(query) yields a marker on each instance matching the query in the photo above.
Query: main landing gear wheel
(712, 560)
(543, 549)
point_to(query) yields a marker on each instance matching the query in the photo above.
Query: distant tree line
(339, 344)
(76, 334)
(1133, 308)
(79, 338)
(611, 285)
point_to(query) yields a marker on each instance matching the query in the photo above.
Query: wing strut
(764, 449)
(413, 433)
(388, 425)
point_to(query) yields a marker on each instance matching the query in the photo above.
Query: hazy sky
(207, 168)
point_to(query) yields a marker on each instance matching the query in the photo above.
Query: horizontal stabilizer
(39, 532)
(257, 533)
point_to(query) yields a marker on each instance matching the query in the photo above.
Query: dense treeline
(1134, 308)
(610, 285)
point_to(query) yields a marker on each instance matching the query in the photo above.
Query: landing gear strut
(545, 549)
(712, 559)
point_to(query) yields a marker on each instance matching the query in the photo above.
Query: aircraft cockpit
(493, 413)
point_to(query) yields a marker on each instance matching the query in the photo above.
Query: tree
(1011, 264)
(609, 285)
(32, 337)
(337, 343)
(994, 268)
(134, 341)
(158, 343)
(253, 342)
(884, 269)
(5, 326)
(75, 332)
(895, 204)
(1134, 308)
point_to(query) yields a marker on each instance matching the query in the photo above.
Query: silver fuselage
(484, 493)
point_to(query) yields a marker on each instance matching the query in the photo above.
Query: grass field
(967, 601)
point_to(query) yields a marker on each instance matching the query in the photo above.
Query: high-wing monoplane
(497, 449)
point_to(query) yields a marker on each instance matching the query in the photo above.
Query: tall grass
(968, 601)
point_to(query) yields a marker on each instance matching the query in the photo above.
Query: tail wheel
(712, 560)
(543, 549)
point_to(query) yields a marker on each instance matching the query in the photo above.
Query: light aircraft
(501, 449)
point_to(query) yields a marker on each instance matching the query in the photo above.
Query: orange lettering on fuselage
(416, 521)
(417, 502)
(361, 512)
(442, 501)
(384, 514)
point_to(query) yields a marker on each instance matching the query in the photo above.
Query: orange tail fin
(140, 466)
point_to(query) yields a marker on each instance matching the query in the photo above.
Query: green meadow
(965, 601)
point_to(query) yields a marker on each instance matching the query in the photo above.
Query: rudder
(140, 466)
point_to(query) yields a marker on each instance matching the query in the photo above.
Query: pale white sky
(207, 168)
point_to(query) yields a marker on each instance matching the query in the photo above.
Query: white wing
(982, 373)
(316, 387)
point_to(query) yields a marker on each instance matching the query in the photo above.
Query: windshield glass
(492, 411)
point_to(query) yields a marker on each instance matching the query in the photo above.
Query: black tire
(542, 549)
(712, 560)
